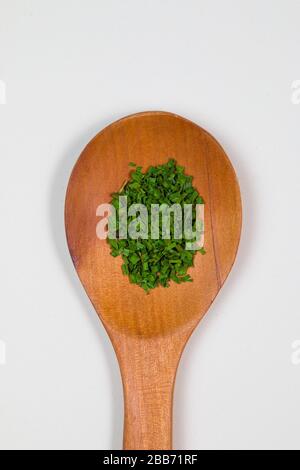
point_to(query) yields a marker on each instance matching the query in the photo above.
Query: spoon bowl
(149, 331)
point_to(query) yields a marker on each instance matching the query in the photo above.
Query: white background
(71, 67)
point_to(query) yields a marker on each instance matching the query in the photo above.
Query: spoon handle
(148, 368)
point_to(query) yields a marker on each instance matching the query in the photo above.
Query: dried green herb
(152, 262)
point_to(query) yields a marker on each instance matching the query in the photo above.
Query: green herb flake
(148, 262)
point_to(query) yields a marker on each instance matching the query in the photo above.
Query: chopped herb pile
(153, 262)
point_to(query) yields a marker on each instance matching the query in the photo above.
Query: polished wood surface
(149, 331)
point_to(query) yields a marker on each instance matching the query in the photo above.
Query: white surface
(71, 67)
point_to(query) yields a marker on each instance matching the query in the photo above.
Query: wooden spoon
(149, 332)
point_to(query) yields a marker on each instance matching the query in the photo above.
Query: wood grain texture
(149, 332)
